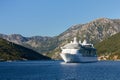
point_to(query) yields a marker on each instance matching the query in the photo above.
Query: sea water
(58, 70)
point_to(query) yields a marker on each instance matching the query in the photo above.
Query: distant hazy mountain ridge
(38, 43)
(94, 32)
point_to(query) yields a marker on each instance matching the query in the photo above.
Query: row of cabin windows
(88, 52)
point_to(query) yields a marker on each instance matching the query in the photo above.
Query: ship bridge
(72, 45)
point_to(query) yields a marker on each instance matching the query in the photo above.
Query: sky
(52, 17)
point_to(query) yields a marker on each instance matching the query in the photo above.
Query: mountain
(109, 49)
(37, 43)
(98, 29)
(94, 32)
(11, 51)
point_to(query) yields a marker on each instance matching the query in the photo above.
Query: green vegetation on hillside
(109, 48)
(11, 51)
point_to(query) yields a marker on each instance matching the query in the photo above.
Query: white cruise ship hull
(77, 58)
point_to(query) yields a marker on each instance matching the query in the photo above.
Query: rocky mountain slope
(11, 51)
(98, 29)
(94, 32)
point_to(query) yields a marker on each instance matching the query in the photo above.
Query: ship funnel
(75, 40)
(80, 42)
(84, 42)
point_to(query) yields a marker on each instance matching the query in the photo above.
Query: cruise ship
(75, 52)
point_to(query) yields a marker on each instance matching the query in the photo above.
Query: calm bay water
(58, 70)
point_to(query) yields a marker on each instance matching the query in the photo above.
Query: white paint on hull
(77, 58)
